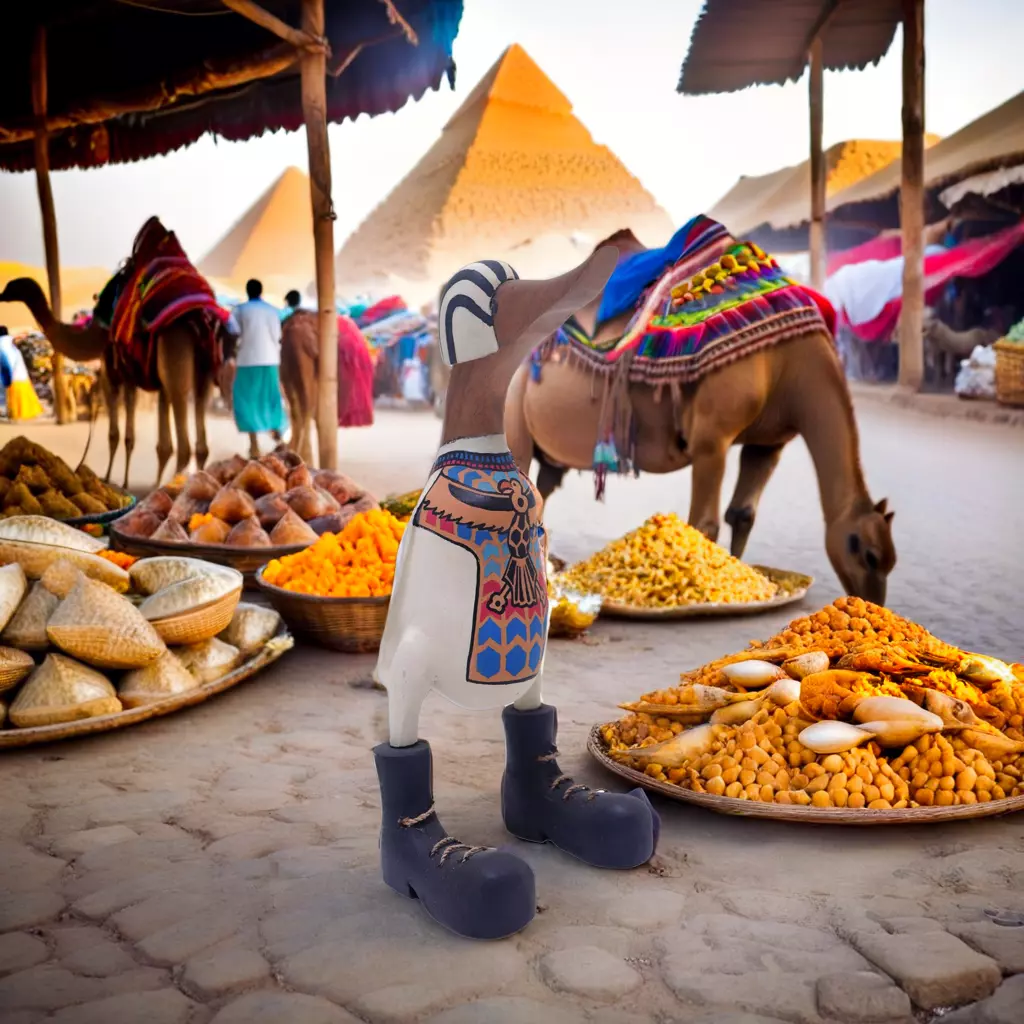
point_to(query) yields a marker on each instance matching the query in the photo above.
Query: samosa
(292, 530)
(248, 534)
(232, 504)
(213, 531)
(171, 530)
(201, 486)
(258, 480)
(270, 508)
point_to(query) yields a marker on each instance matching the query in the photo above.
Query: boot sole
(409, 893)
(576, 856)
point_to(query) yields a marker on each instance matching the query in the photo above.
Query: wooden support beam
(210, 77)
(272, 23)
(395, 17)
(912, 198)
(314, 109)
(818, 169)
(48, 211)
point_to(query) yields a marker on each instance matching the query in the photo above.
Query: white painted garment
(431, 623)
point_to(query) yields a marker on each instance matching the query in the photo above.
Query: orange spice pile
(357, 562)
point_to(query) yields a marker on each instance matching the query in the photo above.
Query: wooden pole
(912, 197)
(314, 109)
(272, 23)
(42, 159)
(818, 170)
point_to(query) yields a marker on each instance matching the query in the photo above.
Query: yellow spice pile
(668, 564)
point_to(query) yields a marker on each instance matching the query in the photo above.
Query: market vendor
(22, 402)
(256, 394)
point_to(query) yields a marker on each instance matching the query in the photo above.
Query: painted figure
(469, 618)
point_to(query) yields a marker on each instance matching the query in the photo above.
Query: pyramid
(512, 164)
(272, 241)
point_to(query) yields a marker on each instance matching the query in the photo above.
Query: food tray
(269, 653)
(246, 560)
(351, 624)
(789, 812)
(103, 518)
(792, 587)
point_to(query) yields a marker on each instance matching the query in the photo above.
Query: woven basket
(198, 624)
(351, 624)
(1009, 373)
(14, 666)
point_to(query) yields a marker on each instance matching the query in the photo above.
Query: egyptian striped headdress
(465, 315)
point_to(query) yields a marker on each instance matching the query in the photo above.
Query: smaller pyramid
(272, 240)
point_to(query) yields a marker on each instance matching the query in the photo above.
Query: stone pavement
(220, 865)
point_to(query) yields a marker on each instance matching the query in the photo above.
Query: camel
(760, 402)
(300, 356)
(944, 348)
(179, 369)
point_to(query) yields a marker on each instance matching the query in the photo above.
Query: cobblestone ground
(221, 864)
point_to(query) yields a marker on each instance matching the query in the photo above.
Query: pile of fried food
(276, 500)
(851, 707)
(80, 636)
(35, 482)
(668, 564)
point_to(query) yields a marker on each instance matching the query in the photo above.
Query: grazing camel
(944, 348)
(180, 368)
(761, 401)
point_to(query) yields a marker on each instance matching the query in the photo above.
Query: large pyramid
(511, 166)
(272, 241)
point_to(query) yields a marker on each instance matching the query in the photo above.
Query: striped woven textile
(720, 301)
(157, 286)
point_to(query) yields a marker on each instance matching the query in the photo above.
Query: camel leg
(708, 455)
(110, 397)
(164, 448)
(202, 395)
(130, 394)
(757, 463)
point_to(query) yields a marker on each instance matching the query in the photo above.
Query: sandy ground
(221, 864)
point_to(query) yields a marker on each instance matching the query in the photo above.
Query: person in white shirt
(256, 394)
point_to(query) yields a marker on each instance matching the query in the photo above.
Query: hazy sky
(618, 64)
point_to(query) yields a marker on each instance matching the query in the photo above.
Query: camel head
(861, 551)
(24, 290)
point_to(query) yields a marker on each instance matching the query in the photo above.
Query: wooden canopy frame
(307, 46)
(912, 195)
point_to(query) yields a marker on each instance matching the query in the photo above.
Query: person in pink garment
(355, 376)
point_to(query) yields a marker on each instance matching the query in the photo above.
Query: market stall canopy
(511, 164)
(127, 81)
(740, 43)
(763, 207)
(993, 142)
(272, 240)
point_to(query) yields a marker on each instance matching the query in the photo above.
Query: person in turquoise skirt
(256, 395)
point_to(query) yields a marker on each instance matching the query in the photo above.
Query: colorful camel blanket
(483, 504)
(718, 301)
(157, 286)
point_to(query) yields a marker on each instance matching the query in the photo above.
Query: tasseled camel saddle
(156, 286)
(703, 301)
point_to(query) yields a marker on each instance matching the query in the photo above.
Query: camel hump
(302, 329)
(465, 315)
